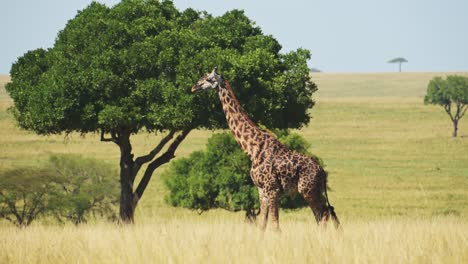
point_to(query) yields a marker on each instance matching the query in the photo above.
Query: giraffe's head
(211, 80)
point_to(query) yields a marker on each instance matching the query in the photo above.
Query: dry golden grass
(221, 240)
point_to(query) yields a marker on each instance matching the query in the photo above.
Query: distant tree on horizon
(452, 94)
(398, 60)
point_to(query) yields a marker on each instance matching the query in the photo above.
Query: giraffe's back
(292, 169)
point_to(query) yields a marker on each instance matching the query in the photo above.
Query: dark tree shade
(121, 70)
(451, 94)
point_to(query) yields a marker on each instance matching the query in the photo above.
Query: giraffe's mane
(227, 86)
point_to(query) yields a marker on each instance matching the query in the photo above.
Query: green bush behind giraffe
(219, 176)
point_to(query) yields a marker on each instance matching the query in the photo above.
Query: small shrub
(26, 194)
(69, 187)
(88, 188)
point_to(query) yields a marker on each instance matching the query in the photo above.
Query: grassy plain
(399, 185)
(218, 239)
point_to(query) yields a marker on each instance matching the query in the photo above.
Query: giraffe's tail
(331, 209)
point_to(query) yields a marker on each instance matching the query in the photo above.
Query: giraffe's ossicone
(275, 168)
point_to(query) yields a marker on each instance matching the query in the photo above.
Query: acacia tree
(451, 94)
(128, 69)
(398, 60)
(69, 187)
(26, 194)
(86, 188)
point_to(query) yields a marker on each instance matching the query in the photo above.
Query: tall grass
(215, 240)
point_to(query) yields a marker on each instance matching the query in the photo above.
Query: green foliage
(454, 89)
(452, 94)
(131, 67)
(219, 177)
(68, 187)
(398, 60)
(88, 187)
(25, 194)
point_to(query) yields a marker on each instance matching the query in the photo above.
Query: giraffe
(275, 169)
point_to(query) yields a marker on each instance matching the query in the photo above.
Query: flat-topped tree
(398, 60)
(128, 69)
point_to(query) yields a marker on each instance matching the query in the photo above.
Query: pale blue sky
(343, 35)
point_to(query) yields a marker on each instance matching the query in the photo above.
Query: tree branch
(463, 110)
(12, 206)
(4, 215)
(447, 108)
(115, 136)
(457, 114)
(35, 204)
(24, 207)
(147, 158)
(164, 158)
(103, 139)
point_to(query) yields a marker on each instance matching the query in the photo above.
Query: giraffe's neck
(246, 133)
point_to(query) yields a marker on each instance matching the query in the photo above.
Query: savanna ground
(399, 183)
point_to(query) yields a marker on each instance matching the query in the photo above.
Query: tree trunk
(129, 168)
(455, 128)
(399, 66)
(127, 203)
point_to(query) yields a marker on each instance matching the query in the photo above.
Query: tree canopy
(121, 70)
(451, 94)
(132, 66)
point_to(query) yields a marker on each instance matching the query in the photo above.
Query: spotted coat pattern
(275, 169)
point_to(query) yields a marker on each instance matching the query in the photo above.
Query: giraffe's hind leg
(312, 193)
(273, 203)
(318, 206)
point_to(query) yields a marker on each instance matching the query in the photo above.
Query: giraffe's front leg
(263, 209)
